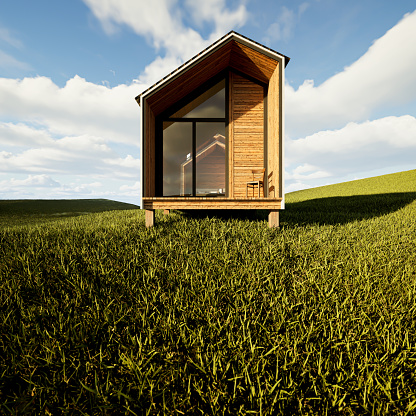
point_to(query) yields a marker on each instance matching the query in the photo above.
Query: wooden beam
(149, 218)
(274, 218)
(166, 211)
(211, 203)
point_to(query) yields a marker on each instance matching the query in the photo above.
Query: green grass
(387, 184)
(215, 315)
(36, 211)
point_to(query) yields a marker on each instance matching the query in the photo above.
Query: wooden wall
(246, 132)
(273, 133)
(149, 171)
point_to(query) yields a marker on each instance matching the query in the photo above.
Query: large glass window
(210, 159)
(195, 146)
(177, 151)
(209, 104)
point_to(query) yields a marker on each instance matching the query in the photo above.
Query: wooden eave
(233, 51)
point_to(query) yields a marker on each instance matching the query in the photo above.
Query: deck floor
(211, 203)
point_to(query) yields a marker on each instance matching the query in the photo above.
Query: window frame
(166, 117)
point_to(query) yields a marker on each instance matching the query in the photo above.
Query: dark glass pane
(177, 159)
(210, 104)
(210, 159)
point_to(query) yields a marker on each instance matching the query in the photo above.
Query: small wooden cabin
(209, 124)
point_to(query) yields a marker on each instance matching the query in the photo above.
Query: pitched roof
(209, 50)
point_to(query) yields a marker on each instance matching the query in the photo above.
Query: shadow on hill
(226, 214)
(60, 207)
(322, 211)
(344, 209)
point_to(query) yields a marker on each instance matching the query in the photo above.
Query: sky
(70, 72)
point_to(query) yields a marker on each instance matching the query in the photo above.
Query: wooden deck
(210, 203)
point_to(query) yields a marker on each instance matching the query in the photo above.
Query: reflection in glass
(210, 159)
(210, 104)
(177, 150)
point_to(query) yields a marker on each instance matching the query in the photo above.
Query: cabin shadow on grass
(344, 209)
(319, 211)
(227, 214)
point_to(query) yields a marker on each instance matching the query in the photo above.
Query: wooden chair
(258, 181)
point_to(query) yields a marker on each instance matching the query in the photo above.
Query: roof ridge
(211, 46)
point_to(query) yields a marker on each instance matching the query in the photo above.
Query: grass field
(212, 315)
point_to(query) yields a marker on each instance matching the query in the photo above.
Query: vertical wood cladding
(150, 155)
(273, 136)
(247, 118)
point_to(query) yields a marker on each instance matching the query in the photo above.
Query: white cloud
(84, 188)
(382, 78)
(82, 145)
(306, 172)
(129, 162)
(131, 191)
(21, 135)
(78, 108)
(162, 22)
(7, 37)
(7, 61)
(357, 147)
(46, 187)
(32, 181)
(283, 27)
(296, 186)
(159, 20)
(217, 13)
(158, 69)
(389, 132)
(38, 152)
(127, 188)
(302, 8)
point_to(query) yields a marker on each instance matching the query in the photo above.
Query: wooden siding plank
(273, 133)
(150, 159)
(248, 131)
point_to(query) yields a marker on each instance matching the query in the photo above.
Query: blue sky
(69, 72)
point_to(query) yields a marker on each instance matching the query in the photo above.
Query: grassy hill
(393, 183)
(350, 201)
(215, 316)
(31, 211)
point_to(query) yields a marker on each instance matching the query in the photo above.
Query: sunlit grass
(215, 316)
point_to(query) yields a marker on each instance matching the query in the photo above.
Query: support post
(274, 218)
(166, 211)
(149, 218)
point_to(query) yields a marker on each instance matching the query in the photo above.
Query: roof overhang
(233, 50)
